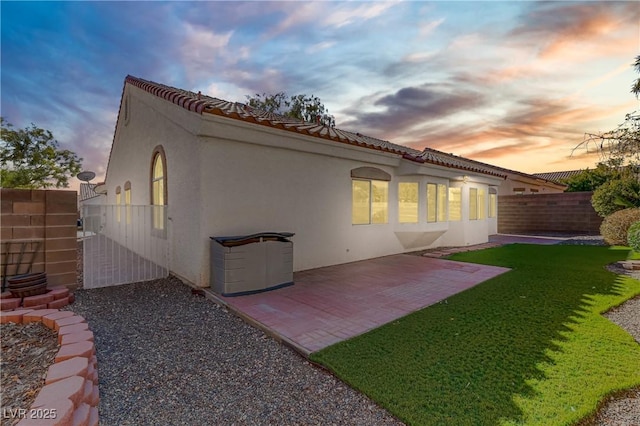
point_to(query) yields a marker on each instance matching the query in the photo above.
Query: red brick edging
(70, 394)
(55, 298)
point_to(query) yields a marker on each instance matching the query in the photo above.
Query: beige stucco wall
(227, 177)
(530, 185)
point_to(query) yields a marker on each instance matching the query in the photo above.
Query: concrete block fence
(567, 212)
(70, 395)
(40, 225)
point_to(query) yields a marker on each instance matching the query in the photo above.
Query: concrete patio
(331, 304)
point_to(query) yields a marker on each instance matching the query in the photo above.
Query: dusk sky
(515, 84)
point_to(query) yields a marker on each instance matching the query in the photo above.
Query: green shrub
(614, 195)
(615, 227)
(633, 237)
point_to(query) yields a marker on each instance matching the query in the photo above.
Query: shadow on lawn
(464, 360)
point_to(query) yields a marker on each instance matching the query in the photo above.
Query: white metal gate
(124, 244)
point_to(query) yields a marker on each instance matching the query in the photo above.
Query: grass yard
(526, 348)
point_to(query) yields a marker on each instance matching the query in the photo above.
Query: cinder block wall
(562, 212)
(46, 221)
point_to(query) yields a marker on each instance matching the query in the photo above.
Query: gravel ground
(166, 356)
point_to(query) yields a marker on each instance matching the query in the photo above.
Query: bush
(616, 195)
(615, 227)
(633, 237)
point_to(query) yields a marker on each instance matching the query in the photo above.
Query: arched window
(159, 188)
(127, 201)
(118, 202)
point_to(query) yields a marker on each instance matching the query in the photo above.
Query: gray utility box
(251, 263)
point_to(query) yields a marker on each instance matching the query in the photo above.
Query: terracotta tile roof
(478, 165)
(558, 176)
(200, 104)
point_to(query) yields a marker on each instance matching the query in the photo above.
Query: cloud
(203, 50)
(346, 15)
(580, 31)
(426, 28)
(315, 48)
(412, 106)
(334, 15)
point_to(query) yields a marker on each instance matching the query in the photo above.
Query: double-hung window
(369, 196)
(370, 201)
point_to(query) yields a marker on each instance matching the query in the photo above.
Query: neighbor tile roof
(200, 104)
(87, 191)
(558, 176)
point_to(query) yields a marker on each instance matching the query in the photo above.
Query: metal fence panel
(124, 244)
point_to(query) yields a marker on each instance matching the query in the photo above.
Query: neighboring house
(89, 197)
(222, 168)
(558, 176)
(88, 194)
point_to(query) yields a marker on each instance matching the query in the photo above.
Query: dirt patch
(27, 352)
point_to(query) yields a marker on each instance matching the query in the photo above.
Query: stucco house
(210, 167)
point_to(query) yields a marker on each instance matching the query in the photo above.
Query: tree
(622, 144)
(302, 107)
(32, 158)
(618, 146)
(620, 152)
(616, 194)
(590, 179)
(635, 88)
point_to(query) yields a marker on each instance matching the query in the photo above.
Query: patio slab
(331, 304)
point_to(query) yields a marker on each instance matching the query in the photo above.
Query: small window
(127, 201)
(519, 191)
(408, 202)
(370, 202)
(473, 203)
(455, 204)
(533, 191)
(118, 202)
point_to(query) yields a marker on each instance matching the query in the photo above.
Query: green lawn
(527, 347)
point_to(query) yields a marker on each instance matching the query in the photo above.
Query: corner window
(408, 202)
(436, 202)
(370, 201)
(158, 189)
(455, 204)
